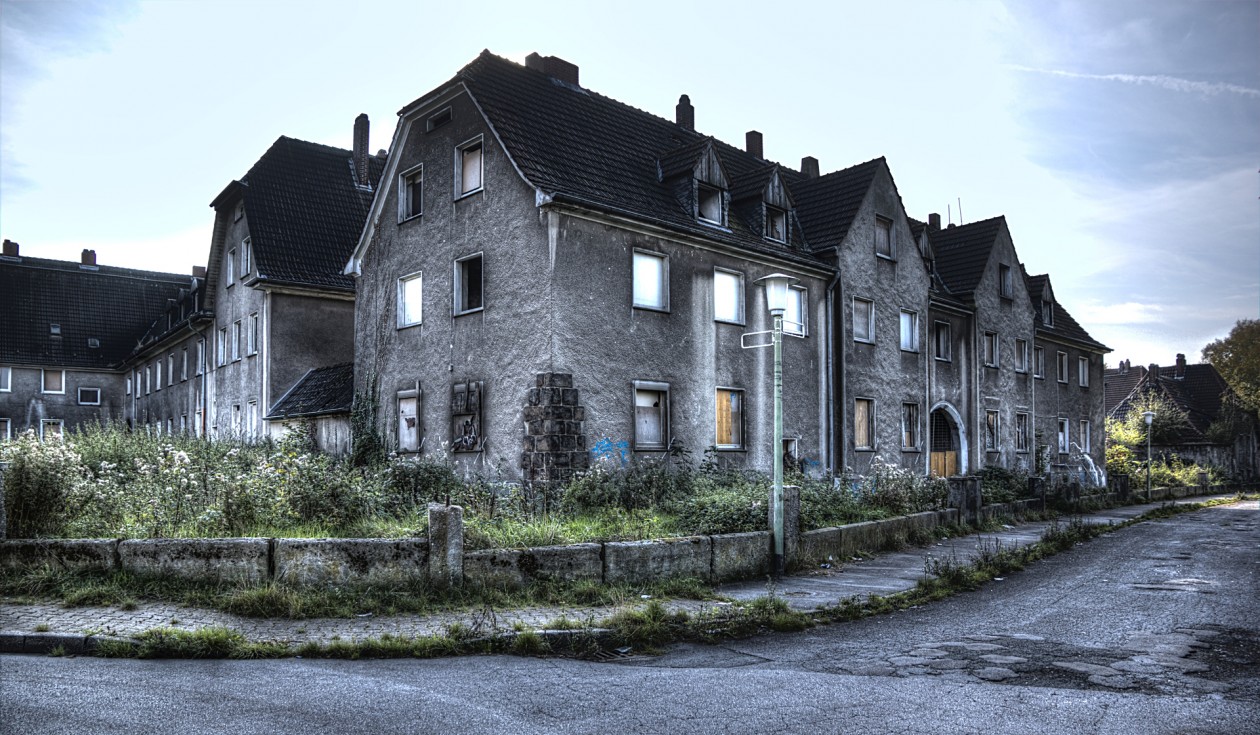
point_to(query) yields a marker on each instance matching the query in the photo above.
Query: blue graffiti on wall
(606, 450)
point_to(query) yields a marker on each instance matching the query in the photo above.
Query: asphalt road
(1153, 629)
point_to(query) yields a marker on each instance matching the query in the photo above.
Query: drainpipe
(831, 370)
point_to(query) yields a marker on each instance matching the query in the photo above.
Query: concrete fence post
(446, 545)
(4, 519)
(964, 494)
(791, 522)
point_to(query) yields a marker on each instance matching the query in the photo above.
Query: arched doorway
(948, 442)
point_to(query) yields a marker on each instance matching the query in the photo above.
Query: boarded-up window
(883, 237)
(730, 418)
(910, 426)
(651, 416)
(1021, 432)
(54, 381)
(864, 423)
(408, 423)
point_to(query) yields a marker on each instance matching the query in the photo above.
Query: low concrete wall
(644, 561)
(740, 555)
(844, 542)
(210, 560)
(518, 567)
(1013, 509)
(71, 555)
(345, 561)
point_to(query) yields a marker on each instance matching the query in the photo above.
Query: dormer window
(884, 238)
(54, 330)
(1047, 313)
(776, 224)
(709, 204)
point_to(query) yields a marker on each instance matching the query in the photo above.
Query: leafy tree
(1237, 358)
(1167, 425)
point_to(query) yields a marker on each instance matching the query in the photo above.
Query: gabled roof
(579, 147)
(1199, 392)
(1064, 326)
(322, 391)
(114, 306)
(962, 253)
(1118, 383)
(305, 212)
(828, 204)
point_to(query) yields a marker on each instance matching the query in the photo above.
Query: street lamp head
(1148, 416)
(776, 291)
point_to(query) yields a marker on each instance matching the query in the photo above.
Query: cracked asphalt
(1152, 629)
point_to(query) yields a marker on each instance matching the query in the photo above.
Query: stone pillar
(446, 545)
(791, 522)
(1037, 491)
(964, 494)
(555, 441)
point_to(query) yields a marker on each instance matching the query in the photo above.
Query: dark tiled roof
(305, 212)
(321, 391)
(1199, 392)
(581, 147)
(1064, 327)
(1118, 384)
(962, 252)
(828, 204)
(112, 305)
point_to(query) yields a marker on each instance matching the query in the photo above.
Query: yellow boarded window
(730, 418)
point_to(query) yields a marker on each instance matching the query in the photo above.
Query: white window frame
(870, 320)
(992, 350)
(127, 386)
(912, 426)
(44, 424)
(245, 258)
(251, 335)
(992, 438)
(229, 266)
(457, 282)
(1021, 355)
(912, 345)
(885, 224)
(1083, 435)
(737, 422)
(799, 296)
(1082, 369)
(462, 152)
(251, 418)
(82, 402)
(409, 438)
(646, 256)
(148, 379)
(157, 374)
(1064, 436)
(708, 193)
(6, 379)
(407, 180)
(737, 296)
(662, 389)
(1006, 281)
(871, 442)
(201, 356)
(403, 281)
(6, 429)
(170, 369)
(1039, 362)
(221, 346)
(236, 340)
(43, 382)
(1022, 434)
(1062, 365)
(946, 330)
(773, 213)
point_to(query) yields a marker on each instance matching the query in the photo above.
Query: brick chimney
(1181, 366)
(199, 271)
(553, 66)
(1153, 370)
(361, 150)
(87, 257)
(934, 221)
(809, 167)
(752, 143)
(10, 249)
(685, 114)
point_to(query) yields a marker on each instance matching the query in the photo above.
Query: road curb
(12, 641)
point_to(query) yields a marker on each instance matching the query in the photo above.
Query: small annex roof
(828, 204)
(305, 212)
(321, 392)
(64, 314)
(962, 253)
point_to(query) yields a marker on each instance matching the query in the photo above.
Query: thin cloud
(1175, 84)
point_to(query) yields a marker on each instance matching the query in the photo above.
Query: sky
(1120, 138)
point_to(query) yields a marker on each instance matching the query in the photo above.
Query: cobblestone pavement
(883, 574)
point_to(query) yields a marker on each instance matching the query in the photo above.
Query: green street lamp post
(1149, 417)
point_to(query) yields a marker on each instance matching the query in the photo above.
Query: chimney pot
(752, 143)
(361, 150)
(553, 66)
(1181, 366)
(10, 248)
(199, 271)
(1153, 369)
(934, 221)
(88, 257)
(809, 167)
(534, 61)
(685, 114)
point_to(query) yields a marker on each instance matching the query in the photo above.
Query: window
(6, 379)
(1021, 432)
(794, 319)
(776, 224)
(157, 380)
(910, 435)
(1082, 371)
(1047, 312)
(54, 330)
(992, 427)
(50, 429)
(1063, 367)
(53, 381)
(251, 418)
(468, 163)
(229, 268)
(221, 346)
(863, 423)
(651, 415)
(183, 365)
(89, 396)
(245, 257)
(728, 296)
(1082, 436)
(651, 281)
(251, 335)
(236, 340)
(437, 119)
(408, 420)
(183, 423)
(5, 430)
(148, 379)
(127, 388)
(239, 211)
(730, 418)
(909, 331)
(201, 356)
(410, 290)
(990, 349)
(170, 426)
(944, 344)
(198, 416)
(863, 320)
(1039, 362)
(236, 419)
(170, 369)
(1021, 355)
(93, 343)
(468, 293)
(1006, 284)
(411, 193)
(1063, 436)
(883, 238)
(709, 204)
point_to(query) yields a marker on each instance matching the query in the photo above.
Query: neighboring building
(69, 329)
(549, 275)
(1219, 432)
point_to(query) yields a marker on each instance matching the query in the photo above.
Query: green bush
(732, 507)
(900, 491)
(1000, 485)
(40, 480)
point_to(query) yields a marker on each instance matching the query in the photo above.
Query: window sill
(470, 192)
(864, 449)
(721, 448)
(864, 341)
(992, 367)
(1039, 377)
(912, 450)
(889, 258)
(913, 352)
(645, 307)
(943, 359)
(408, 326)
(478, 310)
(651, 449)
(1021, 372)
(410, 217)
(729, 321)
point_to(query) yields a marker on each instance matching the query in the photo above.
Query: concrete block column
(964, 494)
(791, 522)
(446, 545)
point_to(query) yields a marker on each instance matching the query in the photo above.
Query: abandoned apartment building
(537, 277)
